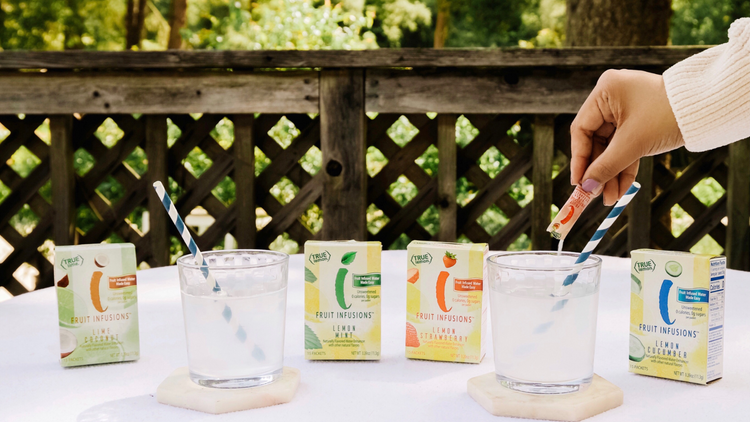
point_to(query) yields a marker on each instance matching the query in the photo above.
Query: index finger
(591, 118)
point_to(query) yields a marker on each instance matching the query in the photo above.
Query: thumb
(619, 154)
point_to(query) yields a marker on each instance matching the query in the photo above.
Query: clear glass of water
(543, 334)
(235, 337)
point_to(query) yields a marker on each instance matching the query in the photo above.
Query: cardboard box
(342, 300)
(446, 308)
(677, 315)
(97, 303)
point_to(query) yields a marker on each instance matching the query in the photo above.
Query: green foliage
(705, 22)
(277, 24)
(62, 24)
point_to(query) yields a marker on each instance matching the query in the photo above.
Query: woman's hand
(627, 116)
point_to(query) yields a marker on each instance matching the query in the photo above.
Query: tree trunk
(176, 22)
(441, 25)
(618, 22)
(134, 18)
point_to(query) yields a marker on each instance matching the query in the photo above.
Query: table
(33, 386)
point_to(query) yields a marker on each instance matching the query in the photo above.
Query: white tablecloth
(33, 386)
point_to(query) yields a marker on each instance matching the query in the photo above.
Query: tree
(441, 24)
(617, 22)
(134, 23)
(176, 23)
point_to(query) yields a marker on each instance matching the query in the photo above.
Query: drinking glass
(235, 336)
(543, 334)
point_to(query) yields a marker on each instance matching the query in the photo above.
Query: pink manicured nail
(590, 185)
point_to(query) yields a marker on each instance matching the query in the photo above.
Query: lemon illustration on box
(97, 303)
(446, 308)
(342, 300)
(677, 315)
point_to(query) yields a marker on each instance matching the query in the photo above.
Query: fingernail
(590, 185)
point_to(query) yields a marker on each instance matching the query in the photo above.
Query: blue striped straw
(601, 231)
(239, 332)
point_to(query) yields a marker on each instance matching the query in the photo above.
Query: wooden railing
(326, 95)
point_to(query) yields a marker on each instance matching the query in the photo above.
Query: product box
(342, 300)
(446, 308)
(97, 303)
(677, 315)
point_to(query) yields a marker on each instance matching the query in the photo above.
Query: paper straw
(226, 312)
(601, 231)
(595, 239)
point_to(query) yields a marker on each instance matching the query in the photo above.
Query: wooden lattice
(24, 191)
(115, 216)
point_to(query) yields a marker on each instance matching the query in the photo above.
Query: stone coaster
(601, 396)
(178, 390)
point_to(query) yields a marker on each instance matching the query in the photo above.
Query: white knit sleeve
(710, 92)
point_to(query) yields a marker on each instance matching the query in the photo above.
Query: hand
(627, 116)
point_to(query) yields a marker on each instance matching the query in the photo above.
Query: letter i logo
(666, 286)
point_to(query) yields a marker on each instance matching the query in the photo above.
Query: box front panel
(342, 300)
(445, 302)
(669, 330)
(97, 304)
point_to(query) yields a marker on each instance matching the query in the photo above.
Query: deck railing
(326, 95)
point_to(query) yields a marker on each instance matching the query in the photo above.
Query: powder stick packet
(570, 212)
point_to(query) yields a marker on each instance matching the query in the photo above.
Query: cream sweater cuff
(710, 92)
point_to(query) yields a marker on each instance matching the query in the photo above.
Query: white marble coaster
(601, 396)
(178, 390)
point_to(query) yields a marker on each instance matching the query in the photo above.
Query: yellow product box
(97, 303)
(677, 315)
(446, 308)
(342, 300)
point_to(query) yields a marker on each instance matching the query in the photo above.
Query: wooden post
(541, 206)
(447, 176)
(156, 151)
(738, 206)
(62, 175)
(639, 211)
(244, 180)
(343, 129)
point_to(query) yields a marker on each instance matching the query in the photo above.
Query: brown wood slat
(155, 133)
(544, 149)
(681, 187)
(292, 211)
(20, 132)
(283, 163)
(639, 235)
(112, 216)
(193, 132)
(63, 179)
(405, 57)
(478, 90)
(377, 128)
(738, 206)
(24, 191)
(447, 206)
(408, 214)
(244, 179)
(701, 226)
(27, 250)
(157, 92)
(500, 184)
(510, 232)
(398, 163)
